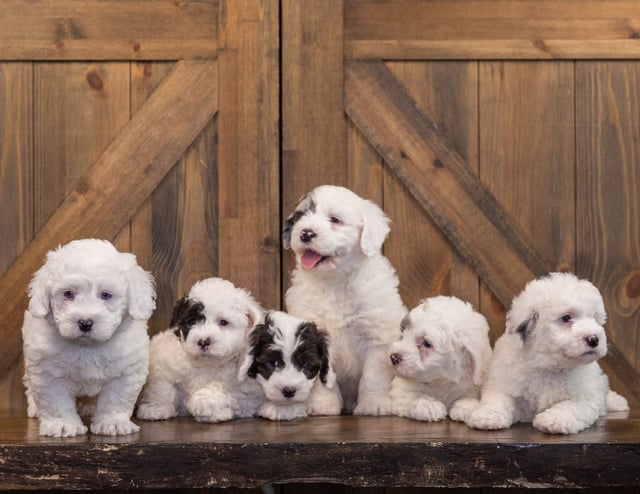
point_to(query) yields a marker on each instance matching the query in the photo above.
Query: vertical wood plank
(314, 138)
(16, 182)
(608, 205)
(426, 261)
(527, 157)
(248, 155)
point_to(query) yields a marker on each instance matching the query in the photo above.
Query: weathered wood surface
(487, 29)
(100, 206)
(108, 30)
(356, 451)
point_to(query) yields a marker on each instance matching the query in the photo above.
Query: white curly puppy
(344, 284)
(289, 357)
(85, 334)
(441, 359)
(194, 364)
(544, 367)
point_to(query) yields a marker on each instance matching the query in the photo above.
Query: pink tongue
(310, 259)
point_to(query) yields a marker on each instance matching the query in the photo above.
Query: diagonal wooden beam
(441, 181)
(115, 186)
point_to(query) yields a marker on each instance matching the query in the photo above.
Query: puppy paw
(273, 411)
(488, 419)
(326, 406)
(374, 405)
(155, 411)
(59, 427)
(428, 410)
(461, 409)
(113, 425)
(210, 407)
(558, 422)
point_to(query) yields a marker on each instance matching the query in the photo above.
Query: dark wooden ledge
(356, 451)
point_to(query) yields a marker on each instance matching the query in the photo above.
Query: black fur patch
(404, 324)
(305, 204)
(265, 360)
(186, 314)
(526, 327)
(312, 354)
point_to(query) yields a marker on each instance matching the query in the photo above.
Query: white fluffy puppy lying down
(194, 364)
(85, 334)
(289, 357)
(344, 284)
(544, 366)
(441, 359)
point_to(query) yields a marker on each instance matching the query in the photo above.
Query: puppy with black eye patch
(194, 364)
(544, 369)
(290, 359)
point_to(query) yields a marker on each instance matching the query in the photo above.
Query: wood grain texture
(248, 148)
(99, 206)
(608, 204)
(484, 29)
(440, 179)
(363, 451)
(527, 157)
(108, 30)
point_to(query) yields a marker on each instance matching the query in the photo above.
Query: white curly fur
(544, 368)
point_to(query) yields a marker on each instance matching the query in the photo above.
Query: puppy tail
(616, 402)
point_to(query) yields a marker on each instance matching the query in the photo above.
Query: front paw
(327, 405)
(206, 406)
(374, 404)
(428, 410)
(558, 422)
(462, 409)
(61, 427)
(486, 418)
(113, 425)
(155, 411)
(273, 411)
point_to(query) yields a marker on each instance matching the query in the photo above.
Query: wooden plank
(100, 202)
(248, 148)
(314, 142)
(440, 180)
(16, 184)
(363, 452)
(487, 29)
(527, 157)
(108, 30)
(608, 201)
(426, 262)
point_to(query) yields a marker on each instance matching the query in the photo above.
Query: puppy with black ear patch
(194, 364)
(441, 359)
(290, 359)
(544, 368)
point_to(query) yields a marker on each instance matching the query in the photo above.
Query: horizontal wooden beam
(115, 186)
(492, 29)
(440, 180)
(108, 29)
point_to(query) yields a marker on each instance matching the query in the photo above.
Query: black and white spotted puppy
(289, 357)
(194, 363)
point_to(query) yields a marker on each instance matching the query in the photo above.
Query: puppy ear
(253, 314)
(326, 373)
(39, 296)
(248, 367)
(523, 327)
(141, 289)
(179, 308)
(375, 228)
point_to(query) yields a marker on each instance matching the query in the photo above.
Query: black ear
(321, 340)
(526, 327)
(179, 309)
(259, 338)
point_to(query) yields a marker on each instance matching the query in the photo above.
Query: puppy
(85, 334)
(194, 364)
(440, 360)
(344, 284)
(544, 367)
(288, 357)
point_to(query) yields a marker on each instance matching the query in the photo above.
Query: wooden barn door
(150, 123)
(502, 138)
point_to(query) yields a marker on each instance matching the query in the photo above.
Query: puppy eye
(426, 344)
(69, 294)
(335, 219)
(105, 295)
(566, 318)
(223, 322)
(192, 321)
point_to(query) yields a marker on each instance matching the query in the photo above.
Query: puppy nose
(395, 358)
(85, 325)
(204, 343)
(592, 341)
(288, 392)
(307, 235)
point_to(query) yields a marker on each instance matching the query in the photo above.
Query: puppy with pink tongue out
(344, 284)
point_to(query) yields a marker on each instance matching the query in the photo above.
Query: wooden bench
(355, 451)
